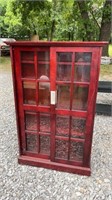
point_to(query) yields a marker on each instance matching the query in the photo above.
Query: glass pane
(43, 71)
(64, 57)
(78, 127)
(61, 149)
(27, 56)
(31, 142)
(28, 71)
(64, 72)
(44, 144)
(44, 93)
(82, 73)
(76, 151)
(29, 92)
(83, 57)
(63, 99)
(43, 56)
(62, 125)
(30, 121)
(45, 123)
(80, 98)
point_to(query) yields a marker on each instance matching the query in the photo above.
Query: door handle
(53, 97)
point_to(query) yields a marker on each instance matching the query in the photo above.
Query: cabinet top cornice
(57, 44)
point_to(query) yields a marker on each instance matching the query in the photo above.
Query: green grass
(110, 50)
(106, 72)
(106, 69)
(4, 60)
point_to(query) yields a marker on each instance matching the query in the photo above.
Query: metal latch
(53, 97)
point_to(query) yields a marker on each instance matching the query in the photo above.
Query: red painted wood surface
(56, 136)
(57, 44)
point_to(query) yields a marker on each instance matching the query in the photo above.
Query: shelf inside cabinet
(27, 62)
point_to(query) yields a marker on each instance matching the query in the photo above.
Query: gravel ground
(20, 182)
(104, 98)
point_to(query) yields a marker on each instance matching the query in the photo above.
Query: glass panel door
(34, 83)
(80, 97)
(72, 82)
(57, 132)
(43, 68)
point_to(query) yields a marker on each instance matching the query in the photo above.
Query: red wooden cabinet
(55, 86)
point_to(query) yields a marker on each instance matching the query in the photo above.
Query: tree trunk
(72, 36)
(52, 30)
(105, 31)
(69, 36)
(53, 21)
(85, 19)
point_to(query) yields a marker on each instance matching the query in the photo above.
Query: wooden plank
(105, 86)
(104, 109)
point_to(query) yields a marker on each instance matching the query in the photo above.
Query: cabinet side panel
(13, 58)
(92, 104)
(19, 88)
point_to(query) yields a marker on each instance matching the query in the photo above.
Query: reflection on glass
(82, 73)
(43, 71)
(44, 93)
(83, 57)
(29, 92)
(45, 123)
(27, 56)
(61, 149)
(43, 56)
(62, 125)
(78, 127)
(31, 142)
(30, 121)
(64, 57)
(80, 98)
(28, 70)
(63, 100)
(76, 151)
(64, 72)
(44, 144)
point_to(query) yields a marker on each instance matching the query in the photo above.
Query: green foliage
(106, 72)
(3, 27)
(110, 50)
(53, 19)
(12, 22)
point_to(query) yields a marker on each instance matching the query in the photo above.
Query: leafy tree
(66, 21)
(21, 17)
(3, 27)
(105, 30)
(96, 20)
(13, 23)
(57, 19)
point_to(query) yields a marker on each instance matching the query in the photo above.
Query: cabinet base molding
(38, 162)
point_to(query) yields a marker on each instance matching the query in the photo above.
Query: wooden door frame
(89, 114)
